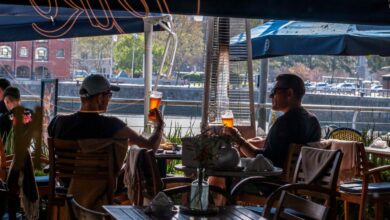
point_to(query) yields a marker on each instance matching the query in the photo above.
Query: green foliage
(377, 62)
(39, 173)
(171, 167)
(174, 134)
(194, 77)
(90, 51)
(123, 53)
(367, 138)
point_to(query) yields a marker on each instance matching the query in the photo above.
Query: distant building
(37, 59)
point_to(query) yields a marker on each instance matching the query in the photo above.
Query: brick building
(36, 59)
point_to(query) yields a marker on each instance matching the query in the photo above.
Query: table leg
(162, 166)
(229, 185)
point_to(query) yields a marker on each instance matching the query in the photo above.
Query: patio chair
(365, 191)
(347, 134)
(295, 207)
(246, 192)
(149, 182)
(320, 184)
(78, 212)
(91, 172)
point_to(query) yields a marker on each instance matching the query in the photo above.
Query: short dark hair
(294, 82)
(12, 92)
(4, 83)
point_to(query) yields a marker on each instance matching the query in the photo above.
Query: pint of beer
(227, 118)
(154, 102)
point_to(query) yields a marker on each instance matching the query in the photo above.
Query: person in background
(296, 125)
(11, 100)
(4, 83)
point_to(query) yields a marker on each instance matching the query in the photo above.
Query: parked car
(345, 87)
(376, 88)
(320, 86)
(122, 77)
(308, 85)
(79, 75)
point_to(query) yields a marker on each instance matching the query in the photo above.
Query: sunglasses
(276, 89)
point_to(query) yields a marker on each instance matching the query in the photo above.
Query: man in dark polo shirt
(296, 125)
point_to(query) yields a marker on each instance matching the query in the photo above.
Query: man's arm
(153, 142)
(245, 146)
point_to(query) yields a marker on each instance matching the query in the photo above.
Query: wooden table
(162, 158)
(229, 175)
(136, 212)
(233, 173)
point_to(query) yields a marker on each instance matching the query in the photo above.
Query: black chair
(292, 207)
(321, 186)
(78, 212)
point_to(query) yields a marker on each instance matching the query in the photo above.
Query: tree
(191, 49)
(123, 54)
(93, 52)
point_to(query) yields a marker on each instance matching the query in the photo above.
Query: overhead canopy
(347, 11)
(278, 38)
(25, 23)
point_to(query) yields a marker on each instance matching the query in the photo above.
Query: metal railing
(182, 103)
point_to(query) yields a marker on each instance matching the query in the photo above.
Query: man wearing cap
(87, 123)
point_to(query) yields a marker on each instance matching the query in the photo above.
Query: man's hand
(159, 119)
(233, 132)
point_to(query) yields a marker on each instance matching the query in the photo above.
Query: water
(187, 124)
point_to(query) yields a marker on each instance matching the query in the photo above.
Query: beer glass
(154, 102)
(227, 118)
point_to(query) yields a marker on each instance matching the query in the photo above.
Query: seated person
(88, 123)
(4, 83)
(296, 125)
(11, 101)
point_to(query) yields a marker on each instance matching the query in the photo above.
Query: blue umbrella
(16, 23)
(278, 38)
(350, 11)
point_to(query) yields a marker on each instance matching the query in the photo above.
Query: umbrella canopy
(278, 38)
(347, 11)
(26, 23)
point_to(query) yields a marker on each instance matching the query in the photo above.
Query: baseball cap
(95, 84)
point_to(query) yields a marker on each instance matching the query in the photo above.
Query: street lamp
(114, 39)
(135, 37)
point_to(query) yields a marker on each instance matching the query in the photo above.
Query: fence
(357, 115)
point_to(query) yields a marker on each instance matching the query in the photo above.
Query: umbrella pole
(262, 98)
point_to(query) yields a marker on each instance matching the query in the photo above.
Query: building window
(60, 53)
(5, 52)
(41, 53)
(23, 52)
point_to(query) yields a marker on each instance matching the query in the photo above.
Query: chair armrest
(255, 180)
(377, 170)
(291, 187)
